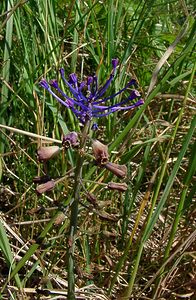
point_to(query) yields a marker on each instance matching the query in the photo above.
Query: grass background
(144, 247)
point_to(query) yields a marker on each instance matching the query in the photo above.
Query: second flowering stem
(74, 212)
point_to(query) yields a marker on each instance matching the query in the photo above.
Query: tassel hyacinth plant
(113, 193)
(87, 102)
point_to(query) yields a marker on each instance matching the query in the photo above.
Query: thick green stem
(74, 214)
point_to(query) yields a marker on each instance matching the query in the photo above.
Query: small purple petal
(80, 94)
(102, 115)
(113, 109)
(103, 89)
(76, 112)
(65, 103)
(62, 71)
(138, 103)
(82, 97)
(89, 80)
(132, 82)
(43, 83)
(92, 87)
(73, 78)
(134, 94)
(54, 83)
(115, 62)
(83, 107)
(82, 85)
(94, 127)
(73, 91)
(100, 107)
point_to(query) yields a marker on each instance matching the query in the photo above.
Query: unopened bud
(73, 78)
(41, 179)
(46, 153)
(94, 127)
(60, 218)
(118, 170)
(100, 152)
(115, 62)
(45, 187)
(70, 140)
(121, 187)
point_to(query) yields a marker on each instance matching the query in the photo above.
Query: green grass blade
(31, 250)
(7, 252)
(6, 64)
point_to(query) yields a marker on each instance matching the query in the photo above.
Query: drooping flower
(100, 152)
(88, 100)
(116, 169)
(59, 219)
(45, 187)
(121, 187)
(46, 153)
(70, 140)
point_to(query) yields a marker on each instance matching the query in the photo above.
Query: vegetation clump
(97, 194)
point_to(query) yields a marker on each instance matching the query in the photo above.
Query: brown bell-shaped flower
(45, 187)
(100, 152)
(118, 170)
(70, 140)
(121, 187)
(46, 153)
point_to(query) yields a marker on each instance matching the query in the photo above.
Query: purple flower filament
(87, 100)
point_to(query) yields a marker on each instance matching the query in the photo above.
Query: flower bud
(43, 83)
(45, 187)
(60, 218)
(89, 80)
(73, 78)
(100, 152)
(54, 83)
(70, 140)
(121, 187)
(41, 179)
(115, 62)
(94, 127)
(46, 153)
(118, 170)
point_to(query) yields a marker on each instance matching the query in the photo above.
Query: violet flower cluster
(87, 100)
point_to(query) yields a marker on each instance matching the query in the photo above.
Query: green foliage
(139, 238)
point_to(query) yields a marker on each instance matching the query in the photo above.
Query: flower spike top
(87, 100)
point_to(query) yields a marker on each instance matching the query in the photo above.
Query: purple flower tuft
(88, 100)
